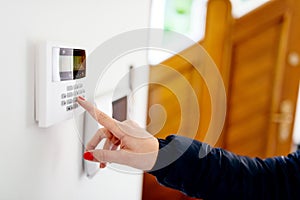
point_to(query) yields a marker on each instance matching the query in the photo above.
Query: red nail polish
(88, 156)
(102, 165)
(81, 98)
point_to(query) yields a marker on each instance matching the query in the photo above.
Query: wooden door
(252, 55)
(290, 83)
(259, 116)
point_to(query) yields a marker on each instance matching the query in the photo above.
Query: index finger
(100, 117)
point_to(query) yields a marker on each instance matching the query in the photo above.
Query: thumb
(101, 155)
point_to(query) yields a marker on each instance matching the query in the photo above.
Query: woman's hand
(138, 148)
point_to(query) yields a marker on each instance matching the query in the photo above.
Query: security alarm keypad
(61, 72)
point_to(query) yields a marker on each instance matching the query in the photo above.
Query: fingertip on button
(81, 98)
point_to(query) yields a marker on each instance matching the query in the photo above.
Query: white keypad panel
(69, 97)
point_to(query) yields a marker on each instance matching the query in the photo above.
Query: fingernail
(81, 98)
(102, 165)
(88, 156)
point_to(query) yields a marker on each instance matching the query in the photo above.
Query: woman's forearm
(224, 175)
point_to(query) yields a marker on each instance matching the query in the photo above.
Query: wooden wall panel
(169, 102)
(217, 44)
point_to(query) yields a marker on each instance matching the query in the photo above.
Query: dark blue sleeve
(224, 175)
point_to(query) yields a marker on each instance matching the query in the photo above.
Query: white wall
(36, 163)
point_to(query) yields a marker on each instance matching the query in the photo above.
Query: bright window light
(187, 17)
(296, 136)
(242, 7)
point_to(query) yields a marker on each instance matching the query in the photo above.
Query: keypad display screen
(72, 64)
